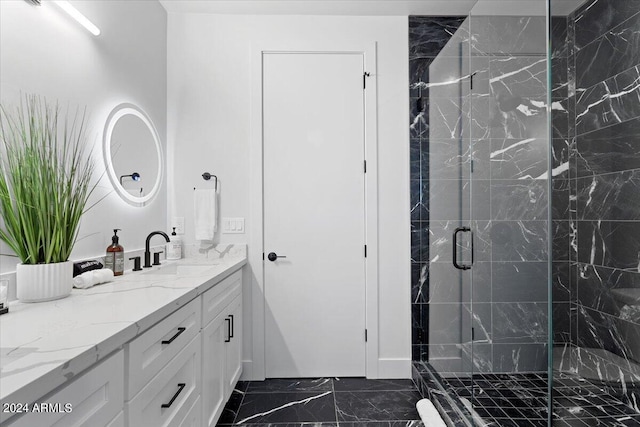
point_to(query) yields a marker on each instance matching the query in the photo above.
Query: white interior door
(313, 124)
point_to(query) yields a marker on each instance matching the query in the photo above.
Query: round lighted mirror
(133, 154)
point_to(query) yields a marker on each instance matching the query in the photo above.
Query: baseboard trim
(394, 368)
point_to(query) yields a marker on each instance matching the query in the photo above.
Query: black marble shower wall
(503, 118)
(597, 200)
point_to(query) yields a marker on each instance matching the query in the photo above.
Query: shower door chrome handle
(455, 249)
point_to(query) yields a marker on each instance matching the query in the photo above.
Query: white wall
(209, 117)
(43, 51)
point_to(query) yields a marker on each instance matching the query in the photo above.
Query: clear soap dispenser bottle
(114, 258)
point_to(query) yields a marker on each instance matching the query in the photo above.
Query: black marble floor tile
(363, 384)
(231, 408)
(290, 385)
(311, 402)
(384, 424)
(377, 405)
(287, 408)
(293, 425)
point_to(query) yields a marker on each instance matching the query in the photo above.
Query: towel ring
(207, 176)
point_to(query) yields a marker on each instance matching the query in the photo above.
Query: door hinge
(473, 334)
(471, 79)
(365, 335)
(263, 256)
(364, 80)
(365, 166)
(365, 251)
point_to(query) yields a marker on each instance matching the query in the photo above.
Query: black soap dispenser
(114, 258)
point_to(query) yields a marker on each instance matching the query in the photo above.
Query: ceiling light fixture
(75, 14)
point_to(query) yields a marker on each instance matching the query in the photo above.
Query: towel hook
(207, 176)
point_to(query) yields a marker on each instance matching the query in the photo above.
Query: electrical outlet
(178, 223)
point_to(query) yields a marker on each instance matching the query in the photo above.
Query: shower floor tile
(343, 402)
(507, 400)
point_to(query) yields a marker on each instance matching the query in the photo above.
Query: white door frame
(255, 368)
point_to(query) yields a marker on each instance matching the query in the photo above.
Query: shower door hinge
(263, 256)
(473, 334)
(364, 80)
(365, 166)
(365, 335)
(471, 78)
(365, 251)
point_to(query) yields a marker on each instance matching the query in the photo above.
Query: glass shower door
(510, 212)
(447, 196)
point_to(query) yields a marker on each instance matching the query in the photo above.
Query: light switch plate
(233, 225)
(178, 223)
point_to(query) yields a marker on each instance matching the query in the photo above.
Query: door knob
(273, 256)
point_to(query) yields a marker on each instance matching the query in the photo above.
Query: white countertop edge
(59, 365)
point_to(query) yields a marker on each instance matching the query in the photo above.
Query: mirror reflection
(132, 154)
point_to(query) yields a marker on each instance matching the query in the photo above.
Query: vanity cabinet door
(95, 398)
(214, 350)
(234, 346)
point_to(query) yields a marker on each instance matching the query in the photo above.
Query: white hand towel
(205, 208)
(429, 414)
(93, 277)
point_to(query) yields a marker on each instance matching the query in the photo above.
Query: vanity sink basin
(180, 269)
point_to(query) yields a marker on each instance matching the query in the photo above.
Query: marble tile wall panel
(611, 149)
(513, 240)
(608, 102)
(520, 322)
(519, 282)
(596, 17)
(518, 158)
(610, 197)
(509, 35)
(561, 286)
(613, 334)
(609, 244)
(512, 358)
(617, 48)
(561, 240)
(429, 34)
(612, 291)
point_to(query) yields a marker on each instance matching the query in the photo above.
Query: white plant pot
(44, 282)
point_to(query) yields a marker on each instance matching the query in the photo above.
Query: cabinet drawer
(168, 398)
(193, 417)
(117, 421)
(95, 398)
(218, 297)
(150, 352)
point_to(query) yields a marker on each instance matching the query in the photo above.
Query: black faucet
(147, 252)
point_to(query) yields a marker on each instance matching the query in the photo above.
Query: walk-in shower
(525, 173)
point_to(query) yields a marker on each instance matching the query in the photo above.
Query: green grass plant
(45, 179)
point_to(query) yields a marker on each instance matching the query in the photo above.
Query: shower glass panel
(488, 187)
(596, 212)
(510, 212)
(446, 189)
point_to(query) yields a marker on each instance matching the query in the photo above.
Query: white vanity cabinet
(94, 398)
(221, 345)
(178, 373)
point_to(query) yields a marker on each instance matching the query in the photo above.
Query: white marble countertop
(43, 345)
